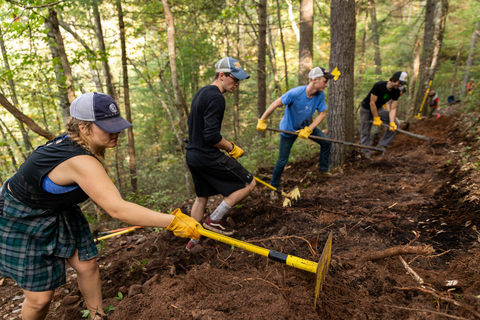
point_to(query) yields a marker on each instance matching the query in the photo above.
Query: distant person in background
(434, 102)
(372, 109)
(375, 131)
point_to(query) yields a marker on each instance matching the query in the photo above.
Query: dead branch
(440, 297)
(397, 251)
(426, 310)
(360, 221)
(411, 272)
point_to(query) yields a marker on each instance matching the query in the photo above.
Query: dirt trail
(370, 206)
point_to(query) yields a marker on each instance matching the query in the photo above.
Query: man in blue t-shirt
(301, 103)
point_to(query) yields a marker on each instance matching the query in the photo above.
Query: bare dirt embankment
(410, 196)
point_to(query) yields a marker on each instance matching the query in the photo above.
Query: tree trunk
(236, 93)
(470, 58)
(342, 56)
(261, 74)
(283, 45)
(119, 165)
(9, 149)
(179, 99)
(11, 82)
(103, 52)
(23, 118)
(426, 58)
(375, 37)
(413, 79)
(457, 62)
(361, 72)
(59, 73)
(126, 94)
(273, 62)
(440, 19)
(63, 56)
(14, 139)
(306, 41)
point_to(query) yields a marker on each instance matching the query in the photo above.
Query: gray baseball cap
(101, 109)
(233, 66)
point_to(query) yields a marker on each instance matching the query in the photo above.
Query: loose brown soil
(370, 205)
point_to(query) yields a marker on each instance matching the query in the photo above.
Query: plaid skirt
(35, 243)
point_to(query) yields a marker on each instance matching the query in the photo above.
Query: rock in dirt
(134, 290)
(70, 299)
(122, 289)
(173, 271)
(141, 240)
(283, 231)
(146, 286)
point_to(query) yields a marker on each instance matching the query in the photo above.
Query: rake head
(293, 195)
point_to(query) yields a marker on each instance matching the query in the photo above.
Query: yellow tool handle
(114, 234)
(273, 188)
(424, 98)
(289, 260)
(266, 184)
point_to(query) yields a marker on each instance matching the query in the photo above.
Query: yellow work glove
(304, 133)
(236, 152)
(393, 126)
(377, 121)
(261, 125)
(184, 226)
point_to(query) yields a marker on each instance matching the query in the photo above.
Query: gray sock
(196, 241)
(221, 211)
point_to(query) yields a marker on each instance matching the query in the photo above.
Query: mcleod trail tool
(101, 233)
(320, 268)
(115, 234)
(424, 98)
(294, 194)
(332, 140)
(418, 136)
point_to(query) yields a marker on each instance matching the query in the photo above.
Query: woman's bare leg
(89, 283)
(36, 304)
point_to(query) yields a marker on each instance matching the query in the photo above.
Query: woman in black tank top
(33, 251)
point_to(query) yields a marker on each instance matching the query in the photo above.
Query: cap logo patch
(237, 65)
(113, 108)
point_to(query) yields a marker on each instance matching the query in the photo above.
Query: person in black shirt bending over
(381, 93)
(212, 171)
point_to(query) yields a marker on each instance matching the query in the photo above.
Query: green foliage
(139, 265)
(85, 314)
(119, 296)
(101, 245)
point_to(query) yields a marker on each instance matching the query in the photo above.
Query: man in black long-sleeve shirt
(213, 172)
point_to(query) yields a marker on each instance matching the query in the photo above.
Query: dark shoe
(218, 226)
(381, 147)
(323, 176)
(191, 245)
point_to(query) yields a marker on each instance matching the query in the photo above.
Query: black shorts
(224, 177)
